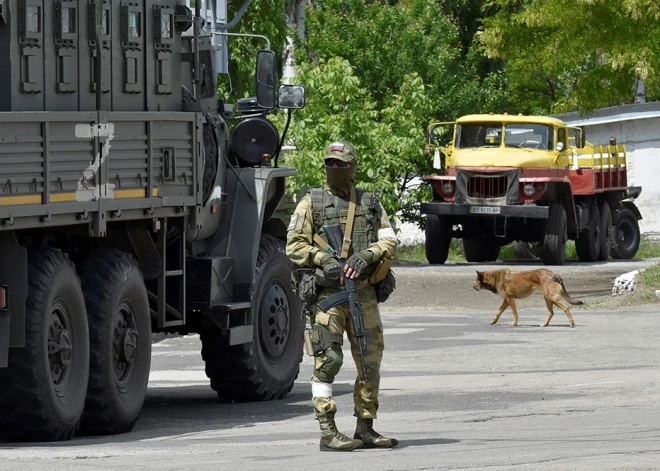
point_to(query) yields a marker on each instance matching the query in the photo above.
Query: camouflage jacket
(304, 253)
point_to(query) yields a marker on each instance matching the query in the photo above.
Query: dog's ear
(480, 275)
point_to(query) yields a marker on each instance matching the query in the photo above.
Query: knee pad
(332, 364)
(329, 351)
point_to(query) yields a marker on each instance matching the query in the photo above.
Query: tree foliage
(376, 74)
(389, 148)
(264, 17)
(564, 55)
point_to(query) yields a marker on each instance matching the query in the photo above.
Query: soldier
(372, 239)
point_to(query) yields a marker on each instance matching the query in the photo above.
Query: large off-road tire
(626, 234)
(438, 238)
(120, 341)
(42, 392)
(267, 367)
(554, 240)
(606, 231)
(588, 244)
(480, 250)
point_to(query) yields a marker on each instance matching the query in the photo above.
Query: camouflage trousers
(327, 364)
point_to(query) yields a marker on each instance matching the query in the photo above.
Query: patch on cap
(337, 147)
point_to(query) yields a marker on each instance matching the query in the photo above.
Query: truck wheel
(120, 341)
(44, 386)
(554, 240)
(588, 243)
(480, 250)
(266, 368)
(606, 231)
(438, 238)
(626, 235)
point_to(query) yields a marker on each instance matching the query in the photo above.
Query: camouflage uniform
(371, 231)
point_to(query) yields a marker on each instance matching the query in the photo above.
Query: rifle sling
(349, 225)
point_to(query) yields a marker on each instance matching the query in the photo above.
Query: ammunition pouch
(319, 338)
(303, 283)
(383, 279)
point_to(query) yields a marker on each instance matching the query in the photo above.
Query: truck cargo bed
(63, 168)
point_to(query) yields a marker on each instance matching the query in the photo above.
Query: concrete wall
(638, 127)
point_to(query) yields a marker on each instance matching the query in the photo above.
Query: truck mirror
(266, 78)
(560, 146)
(291, 96)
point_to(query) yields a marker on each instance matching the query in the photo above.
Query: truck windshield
(478, 135)
(529, 136)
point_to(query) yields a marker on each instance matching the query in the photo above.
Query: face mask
(341, 180)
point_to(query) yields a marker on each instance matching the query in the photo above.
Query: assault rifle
(348, 293)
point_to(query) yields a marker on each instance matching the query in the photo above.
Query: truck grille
(487, 186)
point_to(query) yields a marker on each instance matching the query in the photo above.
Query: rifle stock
(349, 294)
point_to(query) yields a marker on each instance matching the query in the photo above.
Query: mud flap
(13, 275)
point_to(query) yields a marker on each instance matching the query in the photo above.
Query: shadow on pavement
(426, 442)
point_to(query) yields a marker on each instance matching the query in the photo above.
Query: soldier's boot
(332, 439)
(372, 439)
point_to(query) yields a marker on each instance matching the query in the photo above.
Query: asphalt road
(458, 393)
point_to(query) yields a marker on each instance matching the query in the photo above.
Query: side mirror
(266, 78)
(291, 97)
(560, 146)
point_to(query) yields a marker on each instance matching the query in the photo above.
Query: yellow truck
(502, 178)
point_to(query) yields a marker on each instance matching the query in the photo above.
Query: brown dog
(515, 284)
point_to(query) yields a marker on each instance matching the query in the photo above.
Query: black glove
(359, 261)
(331, 267)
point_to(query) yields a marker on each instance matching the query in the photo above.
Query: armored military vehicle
(133, 200)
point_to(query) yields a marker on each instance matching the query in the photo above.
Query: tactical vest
(329, 210)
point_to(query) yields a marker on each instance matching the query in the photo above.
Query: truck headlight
(448, 187)
(529, 189)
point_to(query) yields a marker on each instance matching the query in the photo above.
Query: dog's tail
(567, 297)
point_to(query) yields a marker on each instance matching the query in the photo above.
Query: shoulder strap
(349, 225)
(318, 201)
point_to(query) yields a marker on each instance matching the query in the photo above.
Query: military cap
(341, 150)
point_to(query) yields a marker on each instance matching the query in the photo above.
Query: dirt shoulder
(449, 287)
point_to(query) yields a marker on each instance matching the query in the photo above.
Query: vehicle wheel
(554, 240)
(44, 386)
(120, 341)
(480, 250)
(267, 367)
(438, 238)
(626, 234)
(588, 244)
(606, 231)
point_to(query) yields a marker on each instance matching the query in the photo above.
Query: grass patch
(648, 249)
(417, 253)
(650, 277)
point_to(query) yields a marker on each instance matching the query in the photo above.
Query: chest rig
(329, 210)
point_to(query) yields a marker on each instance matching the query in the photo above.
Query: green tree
(264, 17)
(564, 55)
(389, 148)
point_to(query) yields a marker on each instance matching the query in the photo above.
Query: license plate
(484, 210)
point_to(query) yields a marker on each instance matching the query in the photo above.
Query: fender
(633, 208)
(244, 220)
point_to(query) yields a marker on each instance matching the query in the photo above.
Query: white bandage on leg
(321, 389)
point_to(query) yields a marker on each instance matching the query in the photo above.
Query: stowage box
(47, 51)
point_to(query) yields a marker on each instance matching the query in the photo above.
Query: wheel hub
(59, 347)
(124, 344)
(275, 320)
